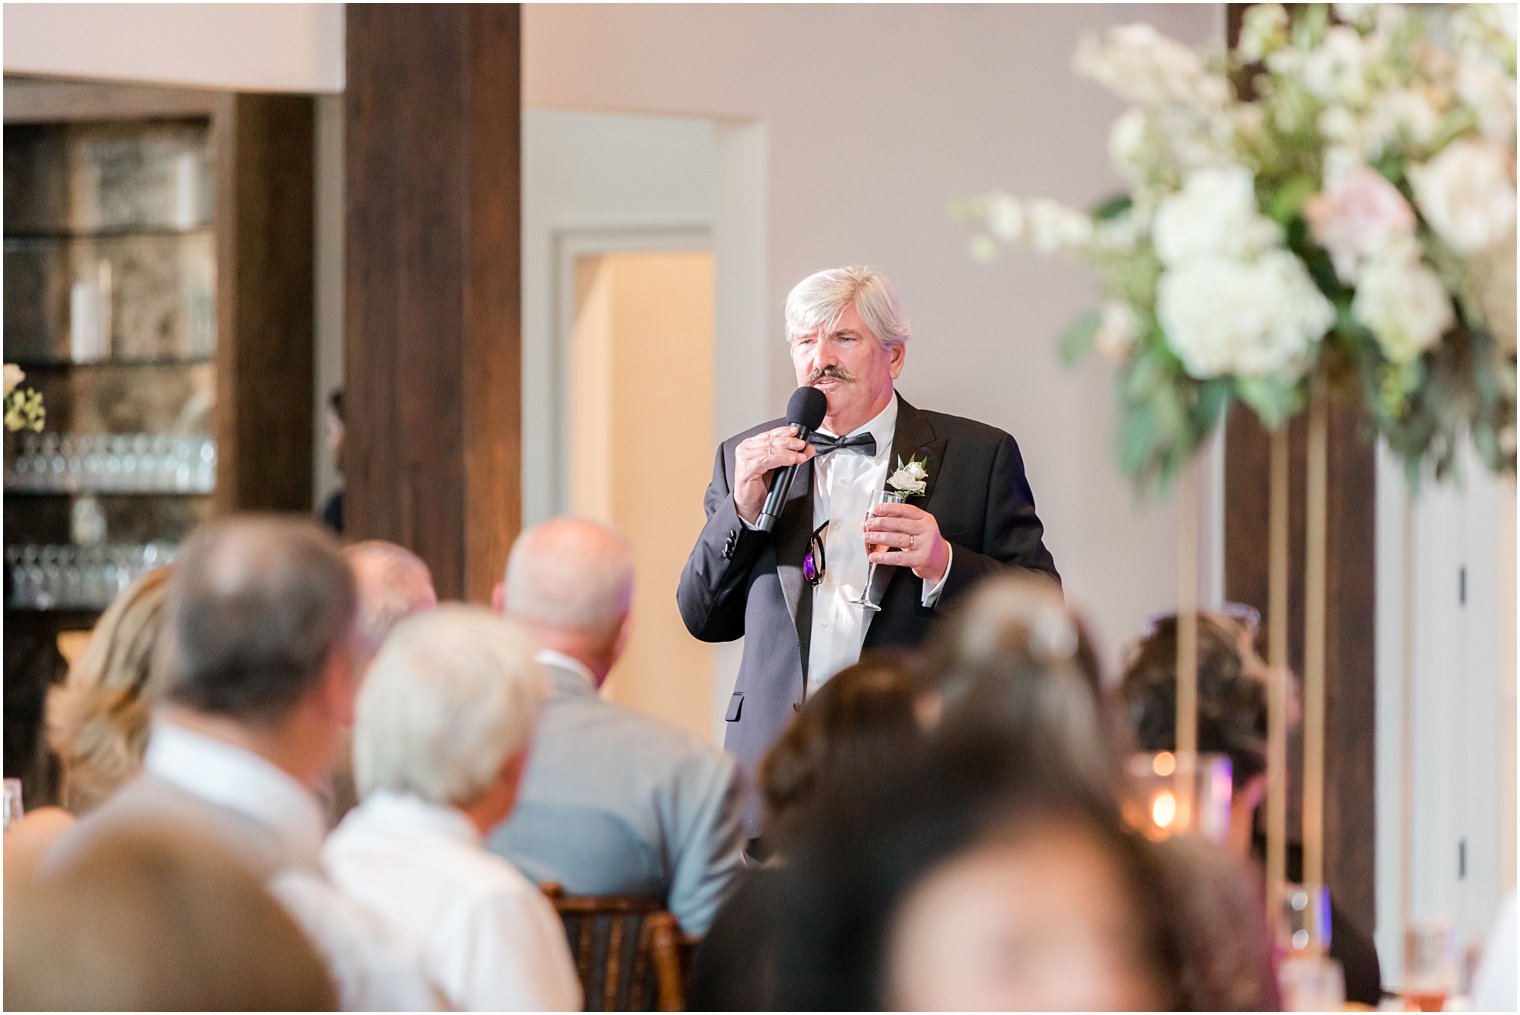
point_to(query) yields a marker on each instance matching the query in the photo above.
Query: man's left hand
(915, 534)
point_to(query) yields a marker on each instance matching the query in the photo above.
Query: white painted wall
(874, 117)
(250, 47)
(1461, 756)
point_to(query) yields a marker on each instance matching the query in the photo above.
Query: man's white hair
(453, 694)
(818, 300)
(572, 574)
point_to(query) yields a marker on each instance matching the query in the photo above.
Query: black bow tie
(862, 442)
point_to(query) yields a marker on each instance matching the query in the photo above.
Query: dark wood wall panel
(1351, 651)
(432, 290)
(265, 167)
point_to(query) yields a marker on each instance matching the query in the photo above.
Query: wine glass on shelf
(864, 599)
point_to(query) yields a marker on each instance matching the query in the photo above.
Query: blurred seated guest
(862, 716)
(857, 722)
(392, 583)
(613, 802)
(259, 681)
(940, 884)
(1232, 720)
(332, 510)
(1014, 664)
(98, 718)
(155, 919)
(29, 839)
(443, 726)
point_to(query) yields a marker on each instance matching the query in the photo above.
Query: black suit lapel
(913, 438)
(794, 528)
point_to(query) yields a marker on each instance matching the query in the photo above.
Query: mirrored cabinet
(158, 294)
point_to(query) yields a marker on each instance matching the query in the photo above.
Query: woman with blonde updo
(98, 718)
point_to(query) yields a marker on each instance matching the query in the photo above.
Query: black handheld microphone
(804, 410)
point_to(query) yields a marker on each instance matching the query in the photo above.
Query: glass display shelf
(123, 362)
(112, 464)
(49, 577)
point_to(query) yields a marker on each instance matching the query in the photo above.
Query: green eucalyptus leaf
(1113, 207)
(1137, 432)
(1080, 338)
(1272, 398)
(1287, 201)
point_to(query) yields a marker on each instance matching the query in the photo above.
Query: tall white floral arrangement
(1336, 196)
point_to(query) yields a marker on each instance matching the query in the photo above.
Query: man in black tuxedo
(788, 592)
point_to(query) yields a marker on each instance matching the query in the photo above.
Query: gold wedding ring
(910, 540)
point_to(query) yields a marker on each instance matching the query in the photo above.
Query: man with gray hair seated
(614, 802)
(259, 681)
(442, 731)
(393, 583)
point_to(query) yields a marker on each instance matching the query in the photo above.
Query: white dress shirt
(845, 485)
(367, 967)
(483, 934)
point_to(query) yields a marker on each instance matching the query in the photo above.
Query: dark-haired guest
(1015, 665)
(860, 718)
(851, 728)
(1232, 720)
(937, 883)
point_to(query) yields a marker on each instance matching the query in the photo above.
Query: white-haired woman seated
(441, 734)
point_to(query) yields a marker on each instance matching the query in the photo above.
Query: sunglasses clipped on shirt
(815, 564)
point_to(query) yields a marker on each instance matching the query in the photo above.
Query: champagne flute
(864, 599)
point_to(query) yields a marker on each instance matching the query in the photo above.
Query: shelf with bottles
(112, 463)
(64, 577)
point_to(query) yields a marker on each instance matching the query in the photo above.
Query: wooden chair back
(627, 950)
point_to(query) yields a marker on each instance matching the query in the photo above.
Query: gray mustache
(836, 373)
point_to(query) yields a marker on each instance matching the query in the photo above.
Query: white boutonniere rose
(909, 479)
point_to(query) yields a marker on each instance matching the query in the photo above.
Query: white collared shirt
(483, 934)
(549, 657)
(367, 967)
(845, 485)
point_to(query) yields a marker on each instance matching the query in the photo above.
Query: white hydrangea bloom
(1403, 303)
(1053, 226)
(1129, 145)
(1490, 94)
(1467, 194)
(1005, 217)
(1118, 328)
(1401, 112)
(1250, 318)
(1263, 29)
(1336, 71)
(1139, 64)
(1493, 281)
(1213, 215)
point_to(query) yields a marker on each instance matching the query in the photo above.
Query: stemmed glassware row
(60, 577)
(122, 463)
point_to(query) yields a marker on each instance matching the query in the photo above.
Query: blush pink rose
(1358, 213)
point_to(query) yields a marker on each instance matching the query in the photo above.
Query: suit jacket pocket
(735, 706)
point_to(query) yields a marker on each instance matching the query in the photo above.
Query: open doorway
(639, 377)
